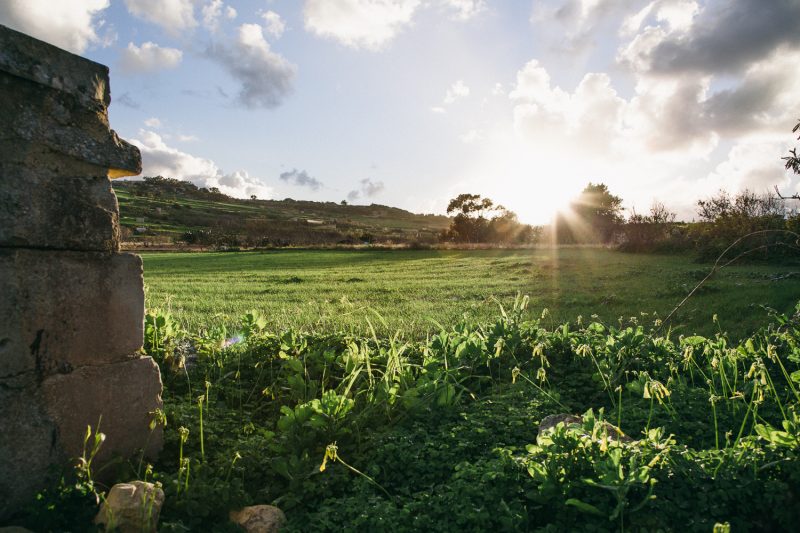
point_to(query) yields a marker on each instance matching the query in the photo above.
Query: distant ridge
(165, 211)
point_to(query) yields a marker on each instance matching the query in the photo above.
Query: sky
(410, 102)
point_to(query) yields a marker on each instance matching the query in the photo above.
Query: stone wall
(71, 305)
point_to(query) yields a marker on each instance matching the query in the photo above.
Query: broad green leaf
(584, 507)
(694, 340)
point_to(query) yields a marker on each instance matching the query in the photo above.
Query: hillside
(160, 211)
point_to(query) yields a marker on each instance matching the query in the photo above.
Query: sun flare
(535, 185)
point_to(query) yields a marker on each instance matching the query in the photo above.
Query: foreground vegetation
(415, 291)
(352, 433)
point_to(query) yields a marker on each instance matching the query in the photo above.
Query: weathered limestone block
(38, 77)
(91, 143)
(43, 210)
(123, 394)
(27, 443)
(131, 508)
(64, 310)
(45, 64)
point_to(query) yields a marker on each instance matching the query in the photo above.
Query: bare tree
(793, 164)
(659, 214)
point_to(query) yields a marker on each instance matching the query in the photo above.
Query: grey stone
(28, 445)
(118, 397)
(45, 64)
(131, 508)
(40, 209)
(549, 423)
(259, 519)
(64, 310)
(68, 128)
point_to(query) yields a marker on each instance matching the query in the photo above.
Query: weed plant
(369, 433)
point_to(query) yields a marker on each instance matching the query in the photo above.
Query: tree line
(759, 225)
(480, 220)
(596, 217)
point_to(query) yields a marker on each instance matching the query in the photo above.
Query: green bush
(361, 434)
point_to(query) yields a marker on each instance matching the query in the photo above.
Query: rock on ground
(549, 423)
(259, 519)
(131, 508)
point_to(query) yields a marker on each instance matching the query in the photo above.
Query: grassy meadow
(414, 291)
(493, 421)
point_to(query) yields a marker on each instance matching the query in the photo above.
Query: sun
(545, 202)
(541, 192)
(535, 185)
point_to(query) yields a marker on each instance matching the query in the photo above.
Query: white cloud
(752, 165)
(212, 13)
(158, 159)
(763, 100)
(669, 20)
(174, 16)
(366, 24)
(466, 9)
(71, 25)
(458, 90)
(721, 37)
(367, 189)
(663, 115)
(684, 104)
(239, 184)
(187, 138)
(265, 76)
(301, 178)
(149, 57)
(152, 122)
(677, 14)
(371, 24)
(471, 136)
(590, 118)
(576, 25)
(438, 109)
(273, 23)
(633, 23)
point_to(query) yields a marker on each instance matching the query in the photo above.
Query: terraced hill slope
(163, 210)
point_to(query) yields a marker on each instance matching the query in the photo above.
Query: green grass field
(415, 290)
